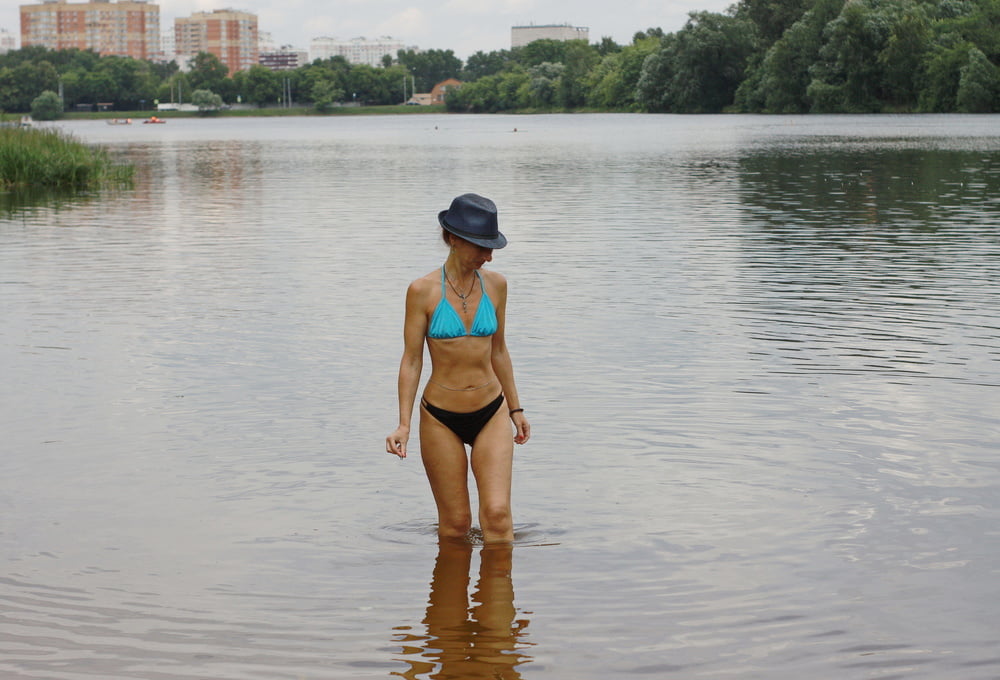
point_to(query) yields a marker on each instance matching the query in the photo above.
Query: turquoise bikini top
(446, 323)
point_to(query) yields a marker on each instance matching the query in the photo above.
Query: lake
(760, 356)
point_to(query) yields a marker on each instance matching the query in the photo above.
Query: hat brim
(495, 243)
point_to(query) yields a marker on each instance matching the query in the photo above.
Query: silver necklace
(463, 298)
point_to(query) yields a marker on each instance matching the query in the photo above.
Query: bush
(47, 106)
(206, 100)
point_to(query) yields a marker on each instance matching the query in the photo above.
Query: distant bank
(139, 116)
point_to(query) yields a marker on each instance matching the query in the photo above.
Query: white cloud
(409, 22)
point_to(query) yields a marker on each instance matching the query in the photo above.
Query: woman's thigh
(492, 459)
(446, 463)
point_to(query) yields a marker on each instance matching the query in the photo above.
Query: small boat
(153, 119)
(119, 121)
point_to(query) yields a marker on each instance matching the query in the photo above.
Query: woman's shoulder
(426, 284)
(493, 277)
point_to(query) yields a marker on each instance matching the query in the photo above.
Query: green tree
(945, 61)
(772, 17)
(540, 52)
(903, 60)
(333, 71)
(46, 106)
(498, 92)
(206, 100)
(648, 33)
(978, 85)
(430, 67)
(778, 82)
(848, 72)
(544, 84)
(483, 64)
(261, 85)
(207, 72)
(578, 60)
(512, 89)
(612, 83)
(25, 80)
(652, 91)
(699, 69)
(607, 46)
(128, 81)
(325, 94)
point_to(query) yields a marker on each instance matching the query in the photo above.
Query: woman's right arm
(410, 366)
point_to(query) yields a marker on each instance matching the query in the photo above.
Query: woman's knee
(496, 517)
(455, 526)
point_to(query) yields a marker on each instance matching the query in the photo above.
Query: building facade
(284, 58)
(356, 51)
(127, 28)
(522, 35)
(228, 34)
(8, 41)
(440, 91)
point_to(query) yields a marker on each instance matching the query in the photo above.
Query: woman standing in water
(470, 396)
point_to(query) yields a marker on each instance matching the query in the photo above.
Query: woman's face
(470, 254)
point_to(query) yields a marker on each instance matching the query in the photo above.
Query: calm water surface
(761, 356)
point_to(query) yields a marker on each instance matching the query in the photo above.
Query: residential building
(8, 41)
(284, 58)
(440, 91)
(127, 28)
(522, 35)
(229, 34)
(357, 50)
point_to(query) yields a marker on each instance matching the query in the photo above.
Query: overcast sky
(464, 26)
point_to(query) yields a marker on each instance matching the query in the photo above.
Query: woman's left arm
(502, 366)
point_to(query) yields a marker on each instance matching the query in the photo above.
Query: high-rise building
(7, 41)
(284, 58)
(357, 50)
(522, 35)
(228, 34)
(127, 28)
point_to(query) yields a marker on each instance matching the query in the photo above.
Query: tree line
(764, 56)
(775, 56)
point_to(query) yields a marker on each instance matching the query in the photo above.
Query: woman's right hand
(395, 443)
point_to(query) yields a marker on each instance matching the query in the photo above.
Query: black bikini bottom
(466, 425)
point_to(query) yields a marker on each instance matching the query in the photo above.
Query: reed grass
(52, 159)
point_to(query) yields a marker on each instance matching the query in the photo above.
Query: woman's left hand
(522, 429)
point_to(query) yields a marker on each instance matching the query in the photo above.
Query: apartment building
(357, 50)
(7, 41)
(284, 58)
(127, 28)
(228, 34)
(522, 35)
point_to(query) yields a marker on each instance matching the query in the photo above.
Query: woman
(460, 309)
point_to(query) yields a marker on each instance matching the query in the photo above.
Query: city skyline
(464, 26)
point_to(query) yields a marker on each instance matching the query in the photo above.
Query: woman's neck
(457, 272)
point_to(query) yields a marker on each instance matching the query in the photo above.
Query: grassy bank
(47, 158)
(139, 116)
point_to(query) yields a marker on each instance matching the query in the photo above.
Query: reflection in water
(912, 189)
(867, 262)
(463, 642)
(25, 198)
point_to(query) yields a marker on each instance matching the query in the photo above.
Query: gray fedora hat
(474, 218)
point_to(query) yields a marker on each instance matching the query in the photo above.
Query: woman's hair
(446, 235)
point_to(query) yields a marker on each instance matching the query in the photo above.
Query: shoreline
(139, 116)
